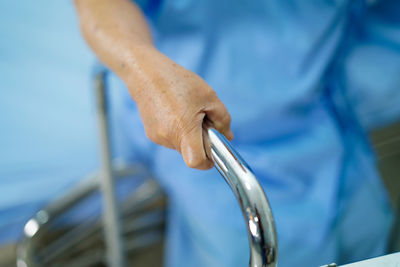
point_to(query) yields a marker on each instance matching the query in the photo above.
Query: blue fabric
(291, 74)
(371, 70)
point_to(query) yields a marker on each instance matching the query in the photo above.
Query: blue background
(48, 131)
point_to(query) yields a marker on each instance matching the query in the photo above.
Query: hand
(174, 103)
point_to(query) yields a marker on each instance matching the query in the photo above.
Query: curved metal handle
(251, 197)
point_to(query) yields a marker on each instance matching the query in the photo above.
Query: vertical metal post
(112, 227)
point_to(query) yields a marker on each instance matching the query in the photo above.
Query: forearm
(172, 101)
(117, 32)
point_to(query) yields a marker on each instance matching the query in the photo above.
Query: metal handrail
(249, 193)
(252, 200)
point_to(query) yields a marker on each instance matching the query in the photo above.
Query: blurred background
(49, 143)
(48, 134)
(48, 138)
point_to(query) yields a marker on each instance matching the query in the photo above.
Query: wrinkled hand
(174, 103)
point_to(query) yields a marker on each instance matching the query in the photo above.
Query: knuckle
(162, 133)
(155, 135)
(223, 122)
(226, 119)
(179, 132)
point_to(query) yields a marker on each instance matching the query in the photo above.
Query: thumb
(192, 149)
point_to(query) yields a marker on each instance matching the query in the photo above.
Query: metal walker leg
(111, 218)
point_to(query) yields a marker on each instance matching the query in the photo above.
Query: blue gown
(299, 79)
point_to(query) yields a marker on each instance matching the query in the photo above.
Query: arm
(172, 101)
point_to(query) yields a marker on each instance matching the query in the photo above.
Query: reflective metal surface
(111, 216)
(142, 213)
(252, 200)
(130, 224)
(50, 238)
(391, 260)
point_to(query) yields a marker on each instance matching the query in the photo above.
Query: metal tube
(252, 200)
(251, 197)
(112, 227)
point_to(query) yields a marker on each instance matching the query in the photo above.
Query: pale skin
(174, 103)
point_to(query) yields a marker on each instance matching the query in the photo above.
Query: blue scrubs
(291, 74)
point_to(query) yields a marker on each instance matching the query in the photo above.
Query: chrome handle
(252, 200)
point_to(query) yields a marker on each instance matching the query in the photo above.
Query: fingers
(220, 119)
(195, 146)
(193, 149)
